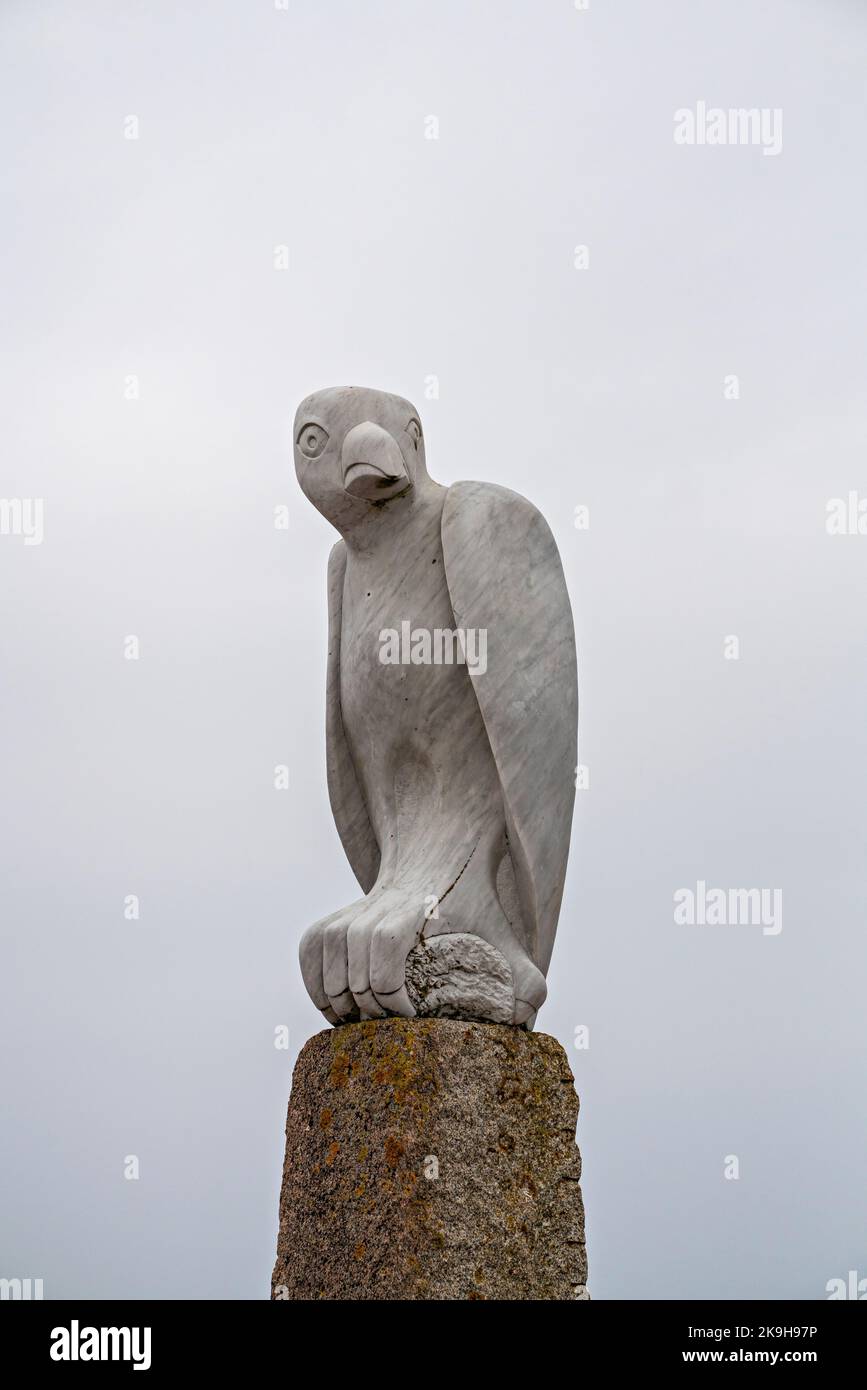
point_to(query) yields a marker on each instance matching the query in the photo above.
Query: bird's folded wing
(504, 575)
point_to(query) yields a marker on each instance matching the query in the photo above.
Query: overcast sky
(699, 385)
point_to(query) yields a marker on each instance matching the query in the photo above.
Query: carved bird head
(357, 449)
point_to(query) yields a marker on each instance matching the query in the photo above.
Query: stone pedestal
(431, 1158)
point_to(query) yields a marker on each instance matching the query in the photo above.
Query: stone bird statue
(452, 719)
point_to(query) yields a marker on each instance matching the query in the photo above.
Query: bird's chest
(397, 620)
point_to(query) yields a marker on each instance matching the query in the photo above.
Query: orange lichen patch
(394, 1151)
(359, 1250)
(402, 1063)
(360, 1189)
(325, 1119)
(396, 1067)
(332, 1153)
(340, 1070)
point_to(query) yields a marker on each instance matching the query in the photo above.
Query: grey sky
(409, 258)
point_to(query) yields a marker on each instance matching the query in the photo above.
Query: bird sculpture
(451, 726)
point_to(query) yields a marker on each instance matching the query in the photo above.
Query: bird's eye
(312, 440)
(413, 429)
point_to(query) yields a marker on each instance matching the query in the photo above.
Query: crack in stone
(451, 885)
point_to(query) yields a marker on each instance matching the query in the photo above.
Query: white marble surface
(451, 783)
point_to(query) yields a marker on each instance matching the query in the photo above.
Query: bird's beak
(373, 466)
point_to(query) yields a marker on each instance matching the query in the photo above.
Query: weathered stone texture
(431, 1158)
(460, 976)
